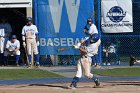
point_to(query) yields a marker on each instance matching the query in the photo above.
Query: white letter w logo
(72, 11)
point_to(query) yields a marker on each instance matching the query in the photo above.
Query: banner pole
(99, 29)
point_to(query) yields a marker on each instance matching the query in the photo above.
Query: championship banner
(116, 16)
(61, 24)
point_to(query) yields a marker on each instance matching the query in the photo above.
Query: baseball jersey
(7, 28)
(92, 49)
(2, 33)
(93, 30)
(29, 31)
(12, 46)
(112, 48)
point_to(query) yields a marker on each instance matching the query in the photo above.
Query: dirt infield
(106, 87)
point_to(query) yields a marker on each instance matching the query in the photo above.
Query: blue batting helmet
(94, 38)
(89, 20)
(29, 19)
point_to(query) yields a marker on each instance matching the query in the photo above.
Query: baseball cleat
(108, 64)
(97, 82)
(17, 65)
(29, 66)
(118, 63)
(72, 86)
(104, 64)
(37, 65)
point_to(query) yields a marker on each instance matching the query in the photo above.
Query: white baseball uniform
(112, 48)
(2, 34)
(30, 34)
(7, 29)
(84, 63)
(92, 30)
(12, 46)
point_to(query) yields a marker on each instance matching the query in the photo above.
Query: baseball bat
(65, 49)
(62, 49)
(26, 53)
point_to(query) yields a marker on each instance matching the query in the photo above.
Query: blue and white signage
(117, 16)
(61, 23)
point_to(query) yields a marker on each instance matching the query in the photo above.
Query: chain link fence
(125, 44)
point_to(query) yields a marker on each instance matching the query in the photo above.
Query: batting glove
(77, 46)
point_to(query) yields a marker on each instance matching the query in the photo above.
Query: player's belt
(30, 38)
(84, 56)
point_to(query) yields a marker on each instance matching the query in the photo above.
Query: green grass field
(16, 74)
(119, 72)
(25, 74)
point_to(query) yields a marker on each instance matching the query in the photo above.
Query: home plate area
(106, 87)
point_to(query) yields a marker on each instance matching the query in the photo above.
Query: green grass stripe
(119, 72)
(15, 74)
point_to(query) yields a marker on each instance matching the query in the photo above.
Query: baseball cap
(29, 19)
(89, 20)
(13, 37)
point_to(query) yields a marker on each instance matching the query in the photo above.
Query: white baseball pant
(84, 66)
(6, 53)
(31, 46)
(2, 40)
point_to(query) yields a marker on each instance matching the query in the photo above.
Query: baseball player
(30, 40)
(12, 48)
(89, 30)
(84, 63)
(112, 54)
(5, 33)
(133, 61)
(7, 28)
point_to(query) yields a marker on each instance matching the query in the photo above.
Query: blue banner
(61, 23)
